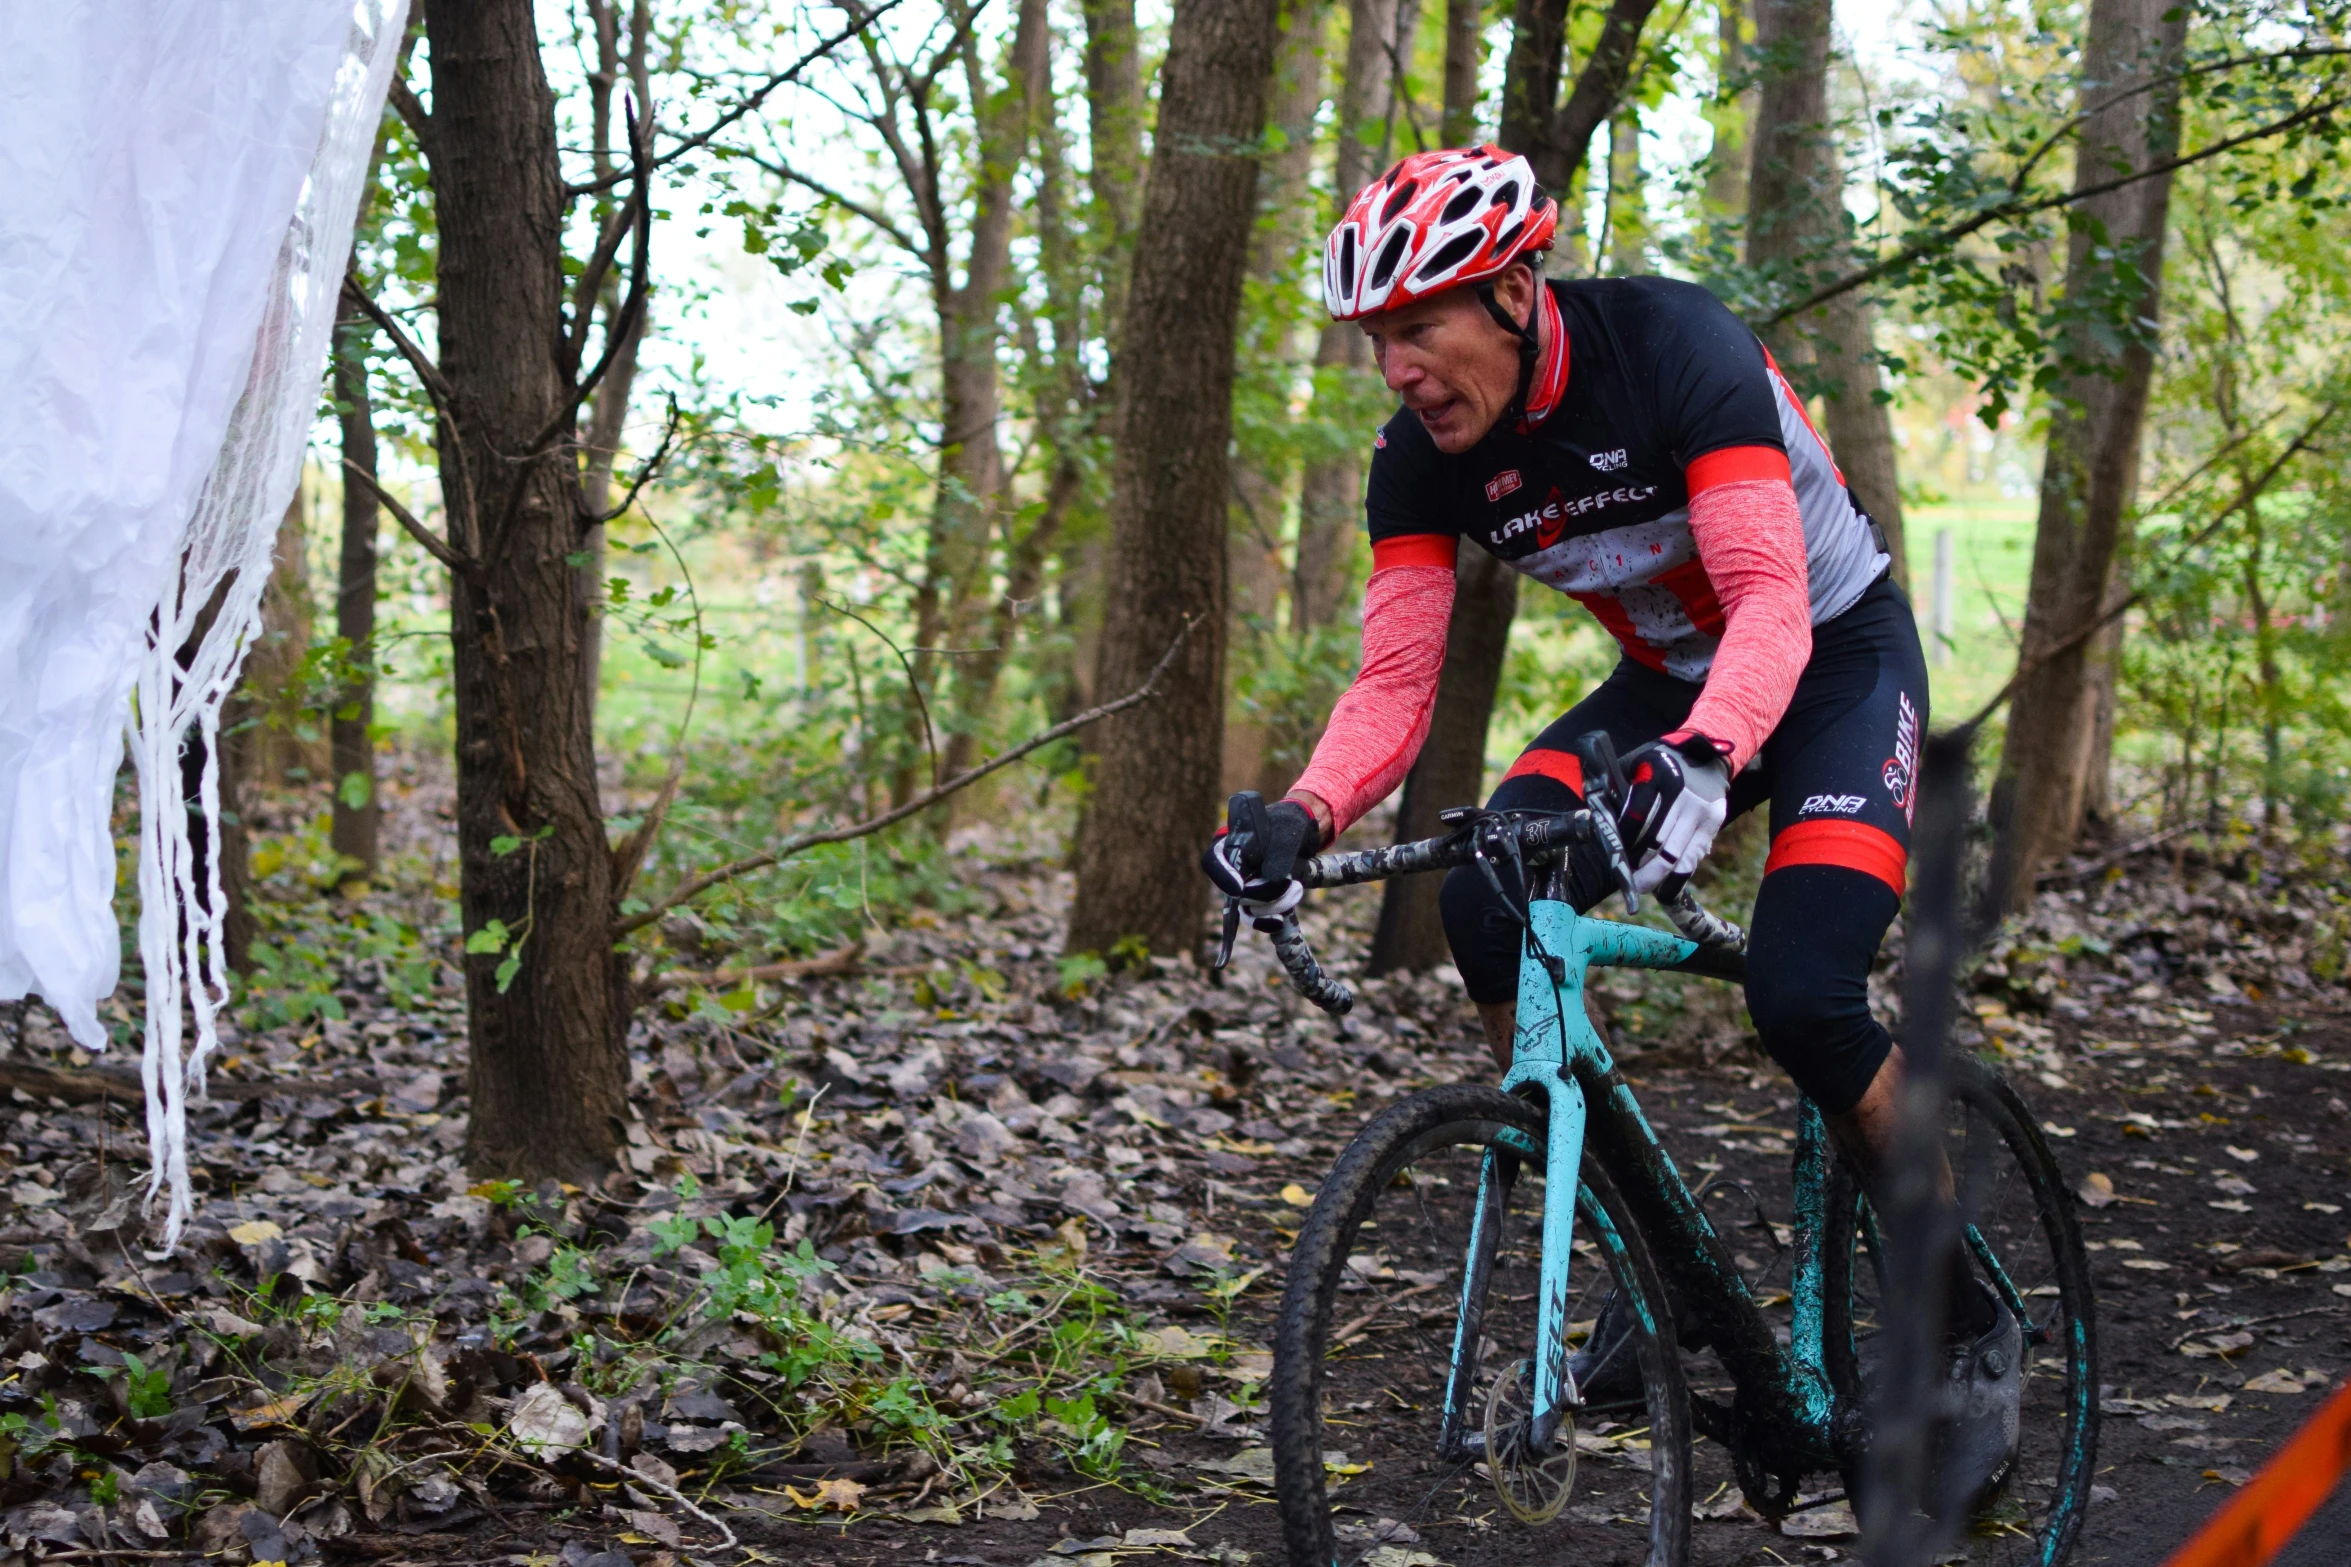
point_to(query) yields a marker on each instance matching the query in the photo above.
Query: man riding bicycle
(1629, 442)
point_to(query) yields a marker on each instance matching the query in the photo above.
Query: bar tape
(2256, 1523)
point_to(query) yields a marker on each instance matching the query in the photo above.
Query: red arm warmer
(1377, 727)
(1750, 539)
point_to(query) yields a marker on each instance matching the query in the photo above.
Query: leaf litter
(936, 1242)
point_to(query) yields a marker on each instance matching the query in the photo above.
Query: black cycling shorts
(1841, 776)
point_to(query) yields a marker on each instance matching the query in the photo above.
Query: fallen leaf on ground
(1296, 1196)
(2278, 1381)
(840, 1495)
(254, 1231)
(2097, 1189)
(1835, 1521)
(1175, 1342)
(543, 1418)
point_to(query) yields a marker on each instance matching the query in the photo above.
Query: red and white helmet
(1435, 221)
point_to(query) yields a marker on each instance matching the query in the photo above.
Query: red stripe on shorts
(1856, 846)
(1563, 766)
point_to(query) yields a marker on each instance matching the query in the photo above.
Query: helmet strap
(1530, 343)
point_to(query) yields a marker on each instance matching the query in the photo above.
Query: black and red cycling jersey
(1657, 392)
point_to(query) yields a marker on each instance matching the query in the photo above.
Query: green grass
(1991, 563)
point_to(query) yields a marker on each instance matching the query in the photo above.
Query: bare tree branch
(2018, 207)
(859, 20)
(418, 360)
(444, 398)
(591, 283)
(841, 960)
(930, 739)
(619, 326)
(433, 543)
(2249, 492)
(687, 891)
(1567, 139)
(873, 215)
(647, 469)
(411, 110)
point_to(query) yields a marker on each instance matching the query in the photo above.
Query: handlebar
(1534, 840)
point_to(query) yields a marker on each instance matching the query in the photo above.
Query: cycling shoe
(1983, 1398)
(1607, 1370)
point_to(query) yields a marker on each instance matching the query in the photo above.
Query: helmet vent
(1454, 252)
(1347, 262)
(1461, 206)
(1391, 253)
(1399, 201)
(1508, 238)
(1507, 195)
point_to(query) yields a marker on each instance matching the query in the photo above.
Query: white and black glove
(1676, 800)
(1252, 859)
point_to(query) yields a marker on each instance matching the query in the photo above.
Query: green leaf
(507, 970)
(490, 938)
(356, 790)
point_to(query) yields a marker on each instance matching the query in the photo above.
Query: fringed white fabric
(184, 177)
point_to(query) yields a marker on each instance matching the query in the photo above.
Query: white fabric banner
(182, 178)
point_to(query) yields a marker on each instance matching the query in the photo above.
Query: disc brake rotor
(1532, 1486)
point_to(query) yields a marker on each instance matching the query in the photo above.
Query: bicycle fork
(1555, 1393)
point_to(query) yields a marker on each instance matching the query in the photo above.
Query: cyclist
(1629, 442)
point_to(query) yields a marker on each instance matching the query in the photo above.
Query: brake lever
(1232, 931)
(1605, 787)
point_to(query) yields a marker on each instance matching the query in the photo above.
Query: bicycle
(1446, 1190)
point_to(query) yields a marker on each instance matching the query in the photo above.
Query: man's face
(1450, 361)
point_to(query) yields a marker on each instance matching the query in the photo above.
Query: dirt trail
(1042, 1236)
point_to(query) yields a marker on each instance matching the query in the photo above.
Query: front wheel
(1366, 1455)
(2024, 1244)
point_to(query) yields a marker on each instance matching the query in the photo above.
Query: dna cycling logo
(1832, 805)
(1901, 769)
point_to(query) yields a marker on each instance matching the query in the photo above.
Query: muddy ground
(1044, 1222)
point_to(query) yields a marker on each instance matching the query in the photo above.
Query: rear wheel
(2027, 1247)
(1366, 1460)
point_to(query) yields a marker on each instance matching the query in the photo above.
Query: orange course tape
(2256, 1523)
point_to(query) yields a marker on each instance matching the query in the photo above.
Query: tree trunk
(353, 773)
(1330, 499)
(1465, 53)
(1114, 148)
(1530, 83)
(1859, 426)
(1628, 196)
(1154, 798)
(950, 605)
(609, 409)
(1731, 114)
(1261, 485)
(284, 748)
(2090, 472)
(1796, 221)
(547, 1073)
(1452, 766)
